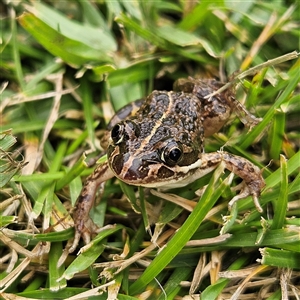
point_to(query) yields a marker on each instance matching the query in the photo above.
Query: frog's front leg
(84, 226)
(241, 167)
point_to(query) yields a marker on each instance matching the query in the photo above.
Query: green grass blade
(290, 87)
(172, 286)
(89, 36)
(87, 102)
(72, 51)
(55, 272)
(16, 53)
(280, 204)
(214, 290)
(277, 135)
(181, 237)
(280, 258)
(292, 165)
(88, 255)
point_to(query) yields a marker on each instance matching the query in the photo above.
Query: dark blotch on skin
(164, 172)
(138, 170)
(117, 163)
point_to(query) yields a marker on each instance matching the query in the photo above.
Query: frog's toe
(84, 230)
(257, 204)
(248, 190)
(75, 242)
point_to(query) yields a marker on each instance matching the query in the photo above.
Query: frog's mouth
(145, 171)
(138, 170)
(141, 172)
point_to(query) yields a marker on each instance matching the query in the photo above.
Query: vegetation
(65, 67)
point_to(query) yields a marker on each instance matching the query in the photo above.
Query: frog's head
(150, 153)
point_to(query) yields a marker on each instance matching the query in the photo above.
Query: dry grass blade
(253, 70)
(65, 67)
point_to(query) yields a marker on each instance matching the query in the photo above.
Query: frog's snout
(135, 170)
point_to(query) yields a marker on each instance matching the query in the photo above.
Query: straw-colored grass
(66, 66)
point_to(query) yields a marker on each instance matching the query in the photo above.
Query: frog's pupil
(175, 154)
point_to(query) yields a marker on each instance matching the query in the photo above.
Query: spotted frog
(162, 145)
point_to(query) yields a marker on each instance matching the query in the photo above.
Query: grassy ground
(65, 67)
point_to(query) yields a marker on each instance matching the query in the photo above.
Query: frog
(158, 142)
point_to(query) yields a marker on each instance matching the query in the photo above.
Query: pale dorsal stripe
(146, 141)
(157, 124)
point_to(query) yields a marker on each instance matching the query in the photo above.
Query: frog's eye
(117, 133)
(171, 154)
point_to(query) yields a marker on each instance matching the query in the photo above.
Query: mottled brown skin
(84, 225)
(161, 145)
(165, 120)
(216, 110)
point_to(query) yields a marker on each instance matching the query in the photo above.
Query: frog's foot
(245, 192)
(85, 229)
(253, 181)
(88, 230)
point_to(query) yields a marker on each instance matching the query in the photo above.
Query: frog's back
(171, 114)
